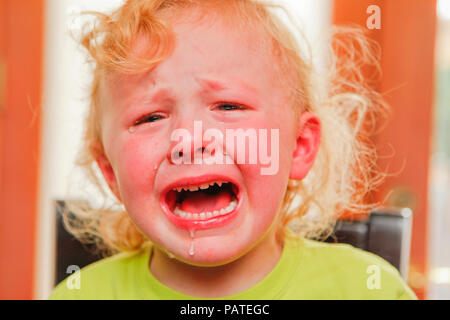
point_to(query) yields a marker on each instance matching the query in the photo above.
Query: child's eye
(229, 107)
(149, 119)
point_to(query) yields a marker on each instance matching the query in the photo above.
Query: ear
(108, 173)
(307, 145)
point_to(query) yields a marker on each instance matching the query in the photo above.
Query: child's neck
(216, 282)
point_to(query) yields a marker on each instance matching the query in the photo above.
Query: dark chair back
(69, 251)
(386, 233)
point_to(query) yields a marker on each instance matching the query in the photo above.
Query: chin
(215, 251)
(203, 259)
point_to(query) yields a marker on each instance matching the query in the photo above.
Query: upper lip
(198, 181)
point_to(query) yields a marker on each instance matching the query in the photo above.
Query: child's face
(210, 66)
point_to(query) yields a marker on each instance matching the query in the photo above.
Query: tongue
(199, 202)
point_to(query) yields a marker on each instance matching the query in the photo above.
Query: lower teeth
(205, 215)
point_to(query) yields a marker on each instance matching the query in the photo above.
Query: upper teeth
(200, 187)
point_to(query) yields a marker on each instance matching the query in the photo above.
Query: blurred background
(44, 89)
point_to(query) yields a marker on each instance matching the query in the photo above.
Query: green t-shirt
(306, 270)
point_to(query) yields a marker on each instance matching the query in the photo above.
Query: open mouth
(203, 202)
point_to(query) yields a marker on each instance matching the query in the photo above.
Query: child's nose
(182, 156)
(189, 148)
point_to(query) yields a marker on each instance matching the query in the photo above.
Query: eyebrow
(160, 95)
(207, 85)
(215, 85)
(211, 85)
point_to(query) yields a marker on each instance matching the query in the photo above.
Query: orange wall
(407, 38)
(21, 26)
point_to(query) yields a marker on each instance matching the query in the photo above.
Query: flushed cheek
(137, 166)
(265, 197)
(266, 192)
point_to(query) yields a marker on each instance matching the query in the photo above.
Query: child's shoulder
(102, 279)
(343, 255)
(349, 272)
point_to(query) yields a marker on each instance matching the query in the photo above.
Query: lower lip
(215, 222)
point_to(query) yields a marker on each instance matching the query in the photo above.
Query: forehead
(211, 49)
(217, 47)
